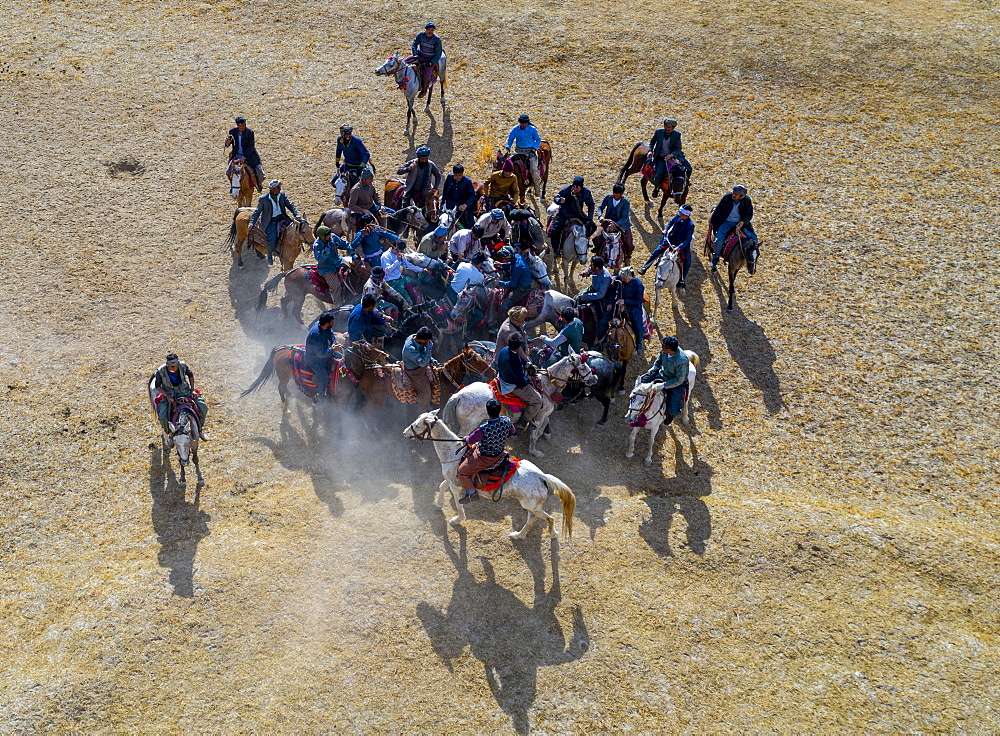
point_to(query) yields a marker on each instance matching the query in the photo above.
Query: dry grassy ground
(818, 554)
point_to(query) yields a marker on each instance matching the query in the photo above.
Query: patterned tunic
(492, 435)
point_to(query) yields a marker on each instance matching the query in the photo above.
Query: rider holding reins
(174, 380)
(526, 141)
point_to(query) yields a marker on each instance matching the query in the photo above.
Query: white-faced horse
(573, 246)
(647, 408)
(407, 78)
(183, 436)
(466, 410)
(529, 485)
(613, 250)
(668, 275)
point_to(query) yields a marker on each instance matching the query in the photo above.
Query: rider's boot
(469, 496)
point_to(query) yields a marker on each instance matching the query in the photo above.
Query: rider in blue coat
(678, 234)
(365, 323)
(519, 285)
(320, 344)
(370, 238)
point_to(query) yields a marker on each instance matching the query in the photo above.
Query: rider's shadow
(510, 638)
(179, 525)
(682, 495)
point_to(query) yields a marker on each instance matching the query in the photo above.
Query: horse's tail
(568, 502)
(269, 286)
(693, 357)
(265, 373)
(318, 222)
(628, 163)
(449, 415)
(231, 240)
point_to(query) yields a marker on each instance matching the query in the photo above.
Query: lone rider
(512, 370)
(321, 344)
(427, 48)
(417, 362)
(460, 194)
(664, 146)
(734, 211)
(370, 238)
(572, 201)
(365, 199)
(174, 380)
(525, 139)
(677, 234)
(487, 444)
(355, 155)
(569, 339)
(495, 226)
(615, 213)
(271, 210)
(627, 292)
(501, 185)
(518, 286)
(365, 322)
(670, 367)
(326, 250)
(241, 138)
(419, 173)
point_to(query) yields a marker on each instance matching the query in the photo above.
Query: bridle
(640, 418)
(425, 436)
(464, 362)
(575, 375)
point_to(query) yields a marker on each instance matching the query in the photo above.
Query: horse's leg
(732, 284)
(197, 468)
(653, 429)
(439, 496)
(645, 194)
(621, 377)
(606, 403)
(526, 527)
(663, 201)
(458, 518)
(182, 483)
(239, 253)
(630, 450)
(533, 440)
(656, 299)
(283, 394)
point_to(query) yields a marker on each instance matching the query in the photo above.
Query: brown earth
(819, 553)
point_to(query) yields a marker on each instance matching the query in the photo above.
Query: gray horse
(183, 435)
(407, 78)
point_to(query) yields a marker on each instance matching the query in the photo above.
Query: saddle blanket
(492, 478)
(730, 243)
(305, 379)
(510, 402)
(406, 393)
(181, 403)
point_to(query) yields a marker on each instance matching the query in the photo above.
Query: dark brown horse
(674, 185)
(523, 170)
(619, 345)
(298, 285)
(743, 253)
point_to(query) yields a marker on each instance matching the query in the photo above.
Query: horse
(241, 182)
(668, 275)
(613, 250)
(183, 434)
(298, 284)
(339, 221)
(466, 410)
(647, 406)
(529, 485)
(407, 78)
(296, 236)
(675, 184)
(609, 376)
(573, 247)
(522, 169)
(408, 218)
(744, 252)
(358, 359)
(553, 302)
(450, 377)
(619, 346)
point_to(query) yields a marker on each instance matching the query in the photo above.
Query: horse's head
(463, 303)
(447, 218)
(573, 368)
(499, 160)
(183, 434)
(668, 262)
(421, 428)
(390, 66)
(372, 354)
(473, 361)
(640, 401)
(339, 187)
(751, 251)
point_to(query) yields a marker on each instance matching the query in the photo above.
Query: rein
(426, 434)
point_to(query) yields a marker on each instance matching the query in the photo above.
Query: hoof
(647, 462)
(515, 535)
(537, 453)
(602, 422)
(455, 521)
(729, 309)
(201, 483)
(438, 503)
(620, 392)
(629, 455)
(182, 485)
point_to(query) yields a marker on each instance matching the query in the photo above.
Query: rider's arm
(536, 139)
(475, 437)
(340, 151)
(436, 174)
(589, 201)
(625, 222)
(291, 204)
(190, 377)
(415, 46)
(511, 135)
(438, 50)
(256, 214)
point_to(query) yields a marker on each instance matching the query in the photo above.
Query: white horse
(183, 435)
(668, 275)
(338, 221)
(448, 219)
(466, 409)
(647, 408)
(407, 78)
(339, 184)
(529, 485)
(613, 250)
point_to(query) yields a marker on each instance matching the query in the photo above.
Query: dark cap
(524, 119)
(670, 342)
(578, 181)
(424, 333)
(241, 119)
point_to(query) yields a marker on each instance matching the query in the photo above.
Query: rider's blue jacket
(527, 138)
(319, 343)
(354, 153)
(328, 256)
(520, 274)
(427, 49)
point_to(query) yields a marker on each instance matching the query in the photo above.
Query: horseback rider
(321, 348)
(513, 368)
(518, 286)
(417, 362)
(572, 200)
(376, 287)
(501, 185)
(513, 325)
(326, 250)
(435, 243)
(627, 292)
(614, 213)
(419, 172)
(526, 141)
(365, 322)
(398, 269)
(487, 444)
(677, 234)
(241, 138)
(427, 47)
(356, 156)
(664, 146)
(526, 230)
(733, 212)
(670, 368)
(569, 340)
(466, 243)
(467, 273)
(175, 380)
(600, 280)
(364, 199)
(460, 194)
(271, 210)
(495, 226)
(370, 238)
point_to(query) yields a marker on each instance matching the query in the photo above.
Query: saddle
(183, 403)
(533, 302)
(397, 197)
(405, 392)
(521, 168)
(513, 404)
(319, 283)
(497, 475)
(305, 378)
(731, 240)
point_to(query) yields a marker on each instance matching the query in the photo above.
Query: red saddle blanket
(305, 378)
(493, 478)
(730, 243)
(181, 403)
(511, 403)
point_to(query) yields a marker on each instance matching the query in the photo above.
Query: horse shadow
(510, 638)
(265, 326)
(682, 496)
(748, 344)
(441, 143)
(179, 525)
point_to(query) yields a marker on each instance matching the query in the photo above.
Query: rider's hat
(496, 213)
(367, 173)
(670, 342)
(578, 181)
(274, 184)
(441, 232)
(627, 273)
(423, 151)
(173, 360)
(523, 119)
(670, 121)
(378, 271)
(478, 231)
(367, 218)
(241, 119)
(345, 129)
(740, 188)
(429, 25)
(322, 230)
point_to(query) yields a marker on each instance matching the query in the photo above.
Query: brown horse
(296, 237)
(298, 285)
(674, 185)
(241, 182)
(523, 171)
(743, 253)
(619, 346)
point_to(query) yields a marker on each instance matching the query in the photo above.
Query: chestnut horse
(675, 183)
(241, 182)
(297, 236)
(298, 285)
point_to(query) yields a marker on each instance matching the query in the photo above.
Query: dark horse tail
(265, 373)
(318, 222)
(628, 162)
(270, 285)
(231, 240)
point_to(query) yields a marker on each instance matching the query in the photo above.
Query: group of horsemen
(470, 252)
